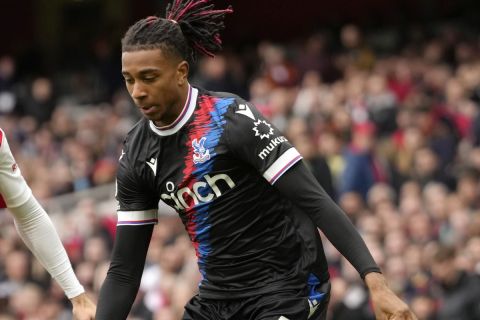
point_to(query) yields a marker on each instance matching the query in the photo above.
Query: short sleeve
(253, 139)
(136, 204)
(13, 189)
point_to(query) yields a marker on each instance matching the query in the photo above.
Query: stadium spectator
(458, 291)
(8, 95)
(363, 166)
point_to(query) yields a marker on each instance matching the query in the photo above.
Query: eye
(149, 79)
(129, 80)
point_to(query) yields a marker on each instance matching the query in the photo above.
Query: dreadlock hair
(190, 27)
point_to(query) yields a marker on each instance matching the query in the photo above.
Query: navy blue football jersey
(215, 165)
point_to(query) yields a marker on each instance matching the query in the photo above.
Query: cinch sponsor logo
(201, 192)
(273, 143)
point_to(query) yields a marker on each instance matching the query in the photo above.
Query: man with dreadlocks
(248, 202)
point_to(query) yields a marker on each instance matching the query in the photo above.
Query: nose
(138, 91)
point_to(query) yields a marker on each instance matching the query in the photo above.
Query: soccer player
(248, 202)
(38, 233)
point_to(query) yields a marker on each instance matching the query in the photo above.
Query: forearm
(123, 278)
(116, 297)
(375, 282)
(37, 231)
(386, 303)
(299, 185)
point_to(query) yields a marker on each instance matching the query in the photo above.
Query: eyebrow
(143, 71)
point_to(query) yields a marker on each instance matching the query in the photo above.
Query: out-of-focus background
(382, 99)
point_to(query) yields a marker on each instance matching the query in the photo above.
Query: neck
(176, 109)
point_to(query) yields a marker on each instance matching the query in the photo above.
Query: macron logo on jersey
(313, 306)
(262, 128)
(152, 163)
(245, 110)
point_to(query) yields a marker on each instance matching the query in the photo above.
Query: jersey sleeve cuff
(126, 218)
(364, 273)
(281, 165)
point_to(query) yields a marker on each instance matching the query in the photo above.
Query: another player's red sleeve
(2, 202)
(14, 191)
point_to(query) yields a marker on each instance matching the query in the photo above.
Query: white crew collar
(186, 113)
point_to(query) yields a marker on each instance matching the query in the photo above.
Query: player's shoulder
(138, 131)
(136, 137)
(232, 107)
(222, 100)
(133, 153)
(226, 95)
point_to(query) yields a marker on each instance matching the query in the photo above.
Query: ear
(182, 73)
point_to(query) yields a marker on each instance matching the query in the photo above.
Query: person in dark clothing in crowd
(458, 292)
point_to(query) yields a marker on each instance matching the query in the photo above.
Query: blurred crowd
(389, 123)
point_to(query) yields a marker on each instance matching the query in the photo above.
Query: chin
(152, 117)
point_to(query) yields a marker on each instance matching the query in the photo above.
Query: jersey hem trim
(281, 165)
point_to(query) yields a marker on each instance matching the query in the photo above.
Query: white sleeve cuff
(281, 165)
(134, 218)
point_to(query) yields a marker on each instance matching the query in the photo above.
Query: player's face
(157, 83)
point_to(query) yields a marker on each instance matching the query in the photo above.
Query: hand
(83, 308)
(386, 304)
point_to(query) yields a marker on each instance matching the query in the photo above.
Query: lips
(147, 109)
